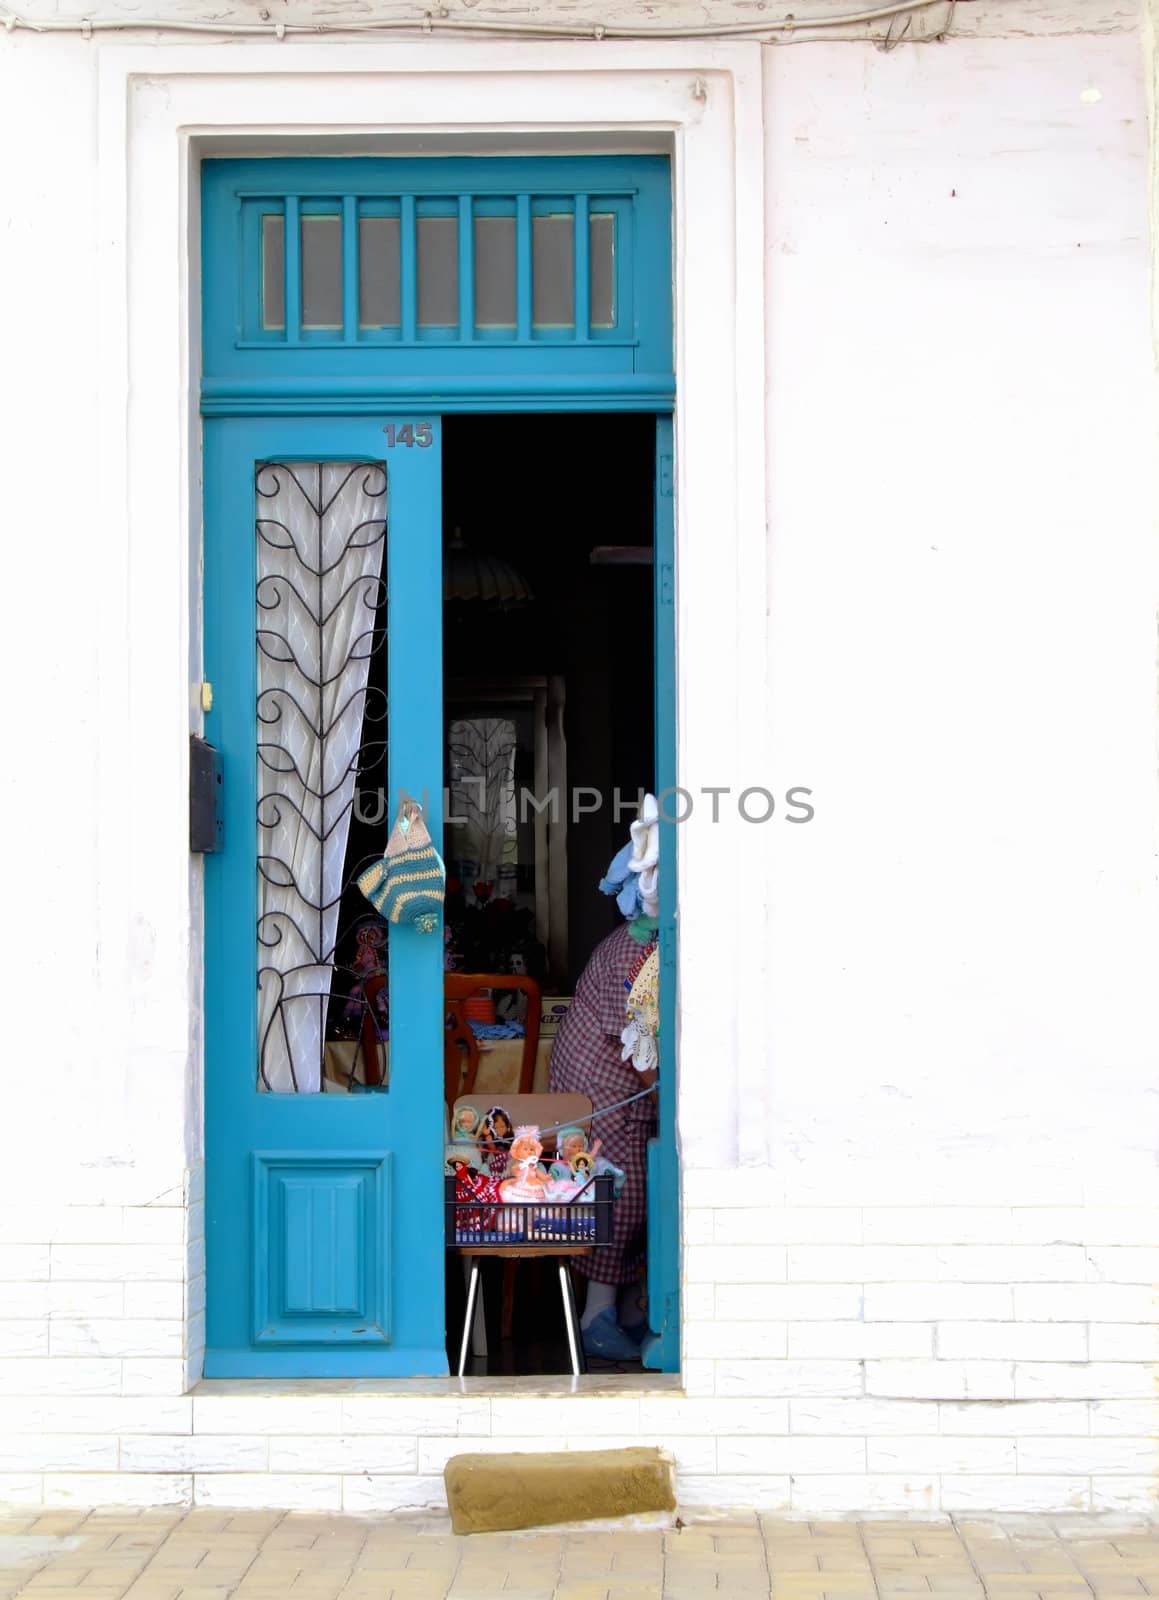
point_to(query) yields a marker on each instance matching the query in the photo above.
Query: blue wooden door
(323, 601)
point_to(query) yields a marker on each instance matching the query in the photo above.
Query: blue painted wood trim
(583, 276)
(408, 267)
(466, 268)
(523, 266)
(662, 1351)
(357, 398)
(415, 768)
(293, 270)
(350, 267)
(242, 1362)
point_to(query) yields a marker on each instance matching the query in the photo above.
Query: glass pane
(379, 286)
(496, 853)
(321, 272)
(273, 272)
(553, 271)
(438, 272)
(494, 272)
(320, 619)
(602, 232)
(481, 779)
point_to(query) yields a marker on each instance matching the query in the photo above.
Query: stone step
(490, 1493)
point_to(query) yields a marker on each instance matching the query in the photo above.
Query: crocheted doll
(409, 883)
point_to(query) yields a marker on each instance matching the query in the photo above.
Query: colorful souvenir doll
(496, 1140)
(574, 1163)
(579, 1223)
(369, 962)
(568, 1142)
(466, 1124)
(471, 1185)
(571, 1142)
(528, 1182)
(460, 1158)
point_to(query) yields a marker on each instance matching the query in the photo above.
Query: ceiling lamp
(467, 576)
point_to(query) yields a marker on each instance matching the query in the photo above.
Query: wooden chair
(461, 1042)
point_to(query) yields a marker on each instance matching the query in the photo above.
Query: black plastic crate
(531, 1226)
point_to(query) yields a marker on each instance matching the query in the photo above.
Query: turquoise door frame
(662, 1350)
(323, 1211)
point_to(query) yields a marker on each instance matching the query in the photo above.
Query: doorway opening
(549, 741)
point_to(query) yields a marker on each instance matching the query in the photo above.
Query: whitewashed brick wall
(930, 1358)
(938, 1356)
(103, 1299)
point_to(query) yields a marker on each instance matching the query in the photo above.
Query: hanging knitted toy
(409, 883)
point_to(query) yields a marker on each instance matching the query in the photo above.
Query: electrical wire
(432, 22)
(600, 1111)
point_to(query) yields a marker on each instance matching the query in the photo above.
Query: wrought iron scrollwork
(321, 723)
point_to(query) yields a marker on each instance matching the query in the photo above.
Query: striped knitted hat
(409, 883)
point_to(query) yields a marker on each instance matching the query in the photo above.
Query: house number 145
(419, 434)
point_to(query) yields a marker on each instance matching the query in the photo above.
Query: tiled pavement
(258, 1555)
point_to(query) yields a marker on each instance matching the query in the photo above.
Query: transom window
(505, 280)
(421, 267)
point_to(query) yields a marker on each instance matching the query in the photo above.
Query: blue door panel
(323, 1214)
(319, 1267)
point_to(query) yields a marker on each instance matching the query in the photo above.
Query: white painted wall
(962, 601)
(811, 19)
(921, 1236)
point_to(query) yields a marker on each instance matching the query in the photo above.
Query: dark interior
(538, 493)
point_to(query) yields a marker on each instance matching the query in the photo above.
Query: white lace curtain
(321, 541)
